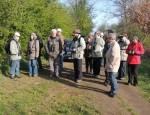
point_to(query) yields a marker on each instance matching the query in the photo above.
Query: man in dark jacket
(54, 49)
(40, 48)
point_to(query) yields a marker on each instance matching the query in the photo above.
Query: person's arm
(115, 55)
(60, 46)
(37, 49)
(140, 50)
(82, 45)
(128, 50)
(40, 43)
(47, 46)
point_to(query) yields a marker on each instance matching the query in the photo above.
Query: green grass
(44, 99)
(144, 77)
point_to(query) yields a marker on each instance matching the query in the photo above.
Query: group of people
(114, 54)
(54, 48)
(104, 48)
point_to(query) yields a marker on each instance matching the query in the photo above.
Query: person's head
(90, 38)
(53, 32)
(106, 34)
(17, 36)
(97, 34)
(111, 37)
(38, 37)
(76, 32)
(135, 39)
(33, 36)
(59, 31)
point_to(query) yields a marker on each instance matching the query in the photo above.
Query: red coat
(138, 50)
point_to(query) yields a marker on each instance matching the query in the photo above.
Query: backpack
(7, 46)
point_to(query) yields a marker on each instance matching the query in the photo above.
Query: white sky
(100, 16)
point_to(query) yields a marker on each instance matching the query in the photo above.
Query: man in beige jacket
(113, 62)
(15, 56)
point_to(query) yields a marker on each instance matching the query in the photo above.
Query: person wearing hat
(123, 43)
(15, 56)
(77, 50)
(54, 49)
(59, 34)
(135, 50)
(97, 46)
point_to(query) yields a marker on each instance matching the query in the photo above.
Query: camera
(52, 48)
(73, 50)
(20, 53)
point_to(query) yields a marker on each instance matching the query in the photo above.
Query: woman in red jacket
(134, 51)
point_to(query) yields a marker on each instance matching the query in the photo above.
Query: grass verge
(144, 77)
(46, 98)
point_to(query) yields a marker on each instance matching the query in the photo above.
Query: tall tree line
(26, 16)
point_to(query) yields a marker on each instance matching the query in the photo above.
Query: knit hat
(136, 37)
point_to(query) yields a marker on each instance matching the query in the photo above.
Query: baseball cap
(17, 34)
(59, 30)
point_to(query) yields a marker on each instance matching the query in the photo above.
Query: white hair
(53, 30)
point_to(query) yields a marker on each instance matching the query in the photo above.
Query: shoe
(30, 75)
(128, 83)
(135, 84)
(35, 75)
(57, 76)
(112, 94)
(97, 76)
(79, 80)
(122, 78)
(12, 77)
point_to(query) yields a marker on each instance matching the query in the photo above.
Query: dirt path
(127, 102)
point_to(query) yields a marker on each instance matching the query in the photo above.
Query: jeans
(33, 70)
(78, 69)
(113, 82)
(15, 65)
(61, 63)
(122, 69)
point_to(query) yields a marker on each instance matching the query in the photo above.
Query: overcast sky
(100, 16)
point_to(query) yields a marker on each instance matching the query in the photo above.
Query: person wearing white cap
(59, 34)
(15, 55)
